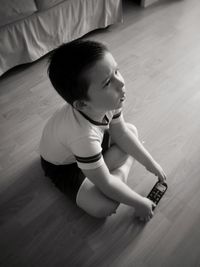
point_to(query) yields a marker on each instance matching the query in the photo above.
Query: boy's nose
(120, 84)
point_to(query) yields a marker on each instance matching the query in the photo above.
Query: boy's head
(69, 64)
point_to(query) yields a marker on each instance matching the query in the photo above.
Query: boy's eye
(116, 72)
(107, 83)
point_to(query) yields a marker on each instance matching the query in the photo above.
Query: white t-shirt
(70, 136)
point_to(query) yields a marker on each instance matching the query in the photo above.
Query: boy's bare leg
(90, 198)
(118, 162)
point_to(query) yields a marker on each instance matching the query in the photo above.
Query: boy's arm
(131, 145)
(114, 188)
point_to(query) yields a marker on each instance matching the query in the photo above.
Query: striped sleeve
(90, 162)
(87, 151)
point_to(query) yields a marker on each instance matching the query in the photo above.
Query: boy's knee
(92, 201)
(115, 157)
(104, 211)
(133, 129)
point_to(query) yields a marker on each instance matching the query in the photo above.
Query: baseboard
(145, 3)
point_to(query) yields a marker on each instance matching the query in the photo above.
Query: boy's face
(107, 89)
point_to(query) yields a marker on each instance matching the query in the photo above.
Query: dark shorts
(68, 178)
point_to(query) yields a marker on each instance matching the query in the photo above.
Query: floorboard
(158, 51)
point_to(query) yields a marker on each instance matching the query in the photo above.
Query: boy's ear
(79, 104)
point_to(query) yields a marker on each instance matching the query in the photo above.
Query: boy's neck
(98, 117)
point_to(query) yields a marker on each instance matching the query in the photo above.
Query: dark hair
(68, 64)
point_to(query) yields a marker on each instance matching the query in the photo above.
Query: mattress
(28, 39)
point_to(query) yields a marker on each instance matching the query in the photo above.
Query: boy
(87, 148)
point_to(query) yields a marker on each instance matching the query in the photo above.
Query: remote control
(157, 192)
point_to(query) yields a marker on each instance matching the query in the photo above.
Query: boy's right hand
(144, 210)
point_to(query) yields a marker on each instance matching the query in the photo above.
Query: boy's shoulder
(72, 124)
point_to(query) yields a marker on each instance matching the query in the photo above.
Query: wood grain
(158, 51)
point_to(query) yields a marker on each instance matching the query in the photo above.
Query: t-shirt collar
(105, 121)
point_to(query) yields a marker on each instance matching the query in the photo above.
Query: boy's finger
(162, 179)
(153, 206)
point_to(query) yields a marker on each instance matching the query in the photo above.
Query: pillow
(45, 4)
(12, 10)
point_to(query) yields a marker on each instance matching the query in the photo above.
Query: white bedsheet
(28, 39)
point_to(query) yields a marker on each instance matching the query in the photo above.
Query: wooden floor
(158, 51)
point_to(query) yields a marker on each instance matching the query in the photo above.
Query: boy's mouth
(122, 98)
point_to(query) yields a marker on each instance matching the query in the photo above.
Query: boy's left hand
(156, 169)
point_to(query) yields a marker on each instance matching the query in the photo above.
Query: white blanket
(28, 39)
